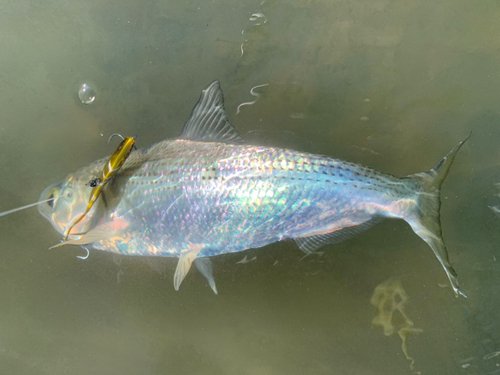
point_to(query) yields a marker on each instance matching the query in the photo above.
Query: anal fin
(312, 243)
(185, 261)
(204, 265)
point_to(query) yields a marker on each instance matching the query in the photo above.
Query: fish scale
(207, 193)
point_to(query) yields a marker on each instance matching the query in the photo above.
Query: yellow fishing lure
(115, 162)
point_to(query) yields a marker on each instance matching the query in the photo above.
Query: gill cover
(111, 168)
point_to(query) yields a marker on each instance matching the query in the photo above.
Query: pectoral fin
(100, 233)
(204, 265)
(185, 260)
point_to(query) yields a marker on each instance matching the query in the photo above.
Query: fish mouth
(51, 202)
(67, 202)
(47, 209)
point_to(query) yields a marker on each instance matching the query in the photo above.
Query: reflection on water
(430, 71)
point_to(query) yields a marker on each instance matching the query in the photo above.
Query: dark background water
(390, 84)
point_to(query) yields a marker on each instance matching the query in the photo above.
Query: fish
(208, 193)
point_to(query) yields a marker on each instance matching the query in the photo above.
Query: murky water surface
(390, 84)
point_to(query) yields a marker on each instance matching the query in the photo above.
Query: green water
(389, 84)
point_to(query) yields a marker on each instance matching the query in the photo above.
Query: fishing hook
(85, 257)
(112, 135)
(121, 136)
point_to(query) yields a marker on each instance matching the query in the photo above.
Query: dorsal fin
(208, 121)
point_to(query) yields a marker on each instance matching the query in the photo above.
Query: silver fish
(208, 193)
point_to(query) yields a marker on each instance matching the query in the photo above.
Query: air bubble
(86, 94)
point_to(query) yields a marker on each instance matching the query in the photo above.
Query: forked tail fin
(424, 220)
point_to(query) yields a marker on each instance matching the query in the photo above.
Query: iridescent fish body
(207, 193)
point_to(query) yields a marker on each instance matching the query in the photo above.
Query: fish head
(71, 197)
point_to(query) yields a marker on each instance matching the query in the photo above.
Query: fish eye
(69, 194)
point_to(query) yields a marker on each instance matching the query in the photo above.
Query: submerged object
(110, 169)
(207, 193)
(388, 298)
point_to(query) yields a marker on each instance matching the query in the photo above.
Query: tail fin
(425, 219)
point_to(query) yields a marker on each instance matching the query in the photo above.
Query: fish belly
(229, 198)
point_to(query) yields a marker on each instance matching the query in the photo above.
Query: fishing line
(5, 213)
